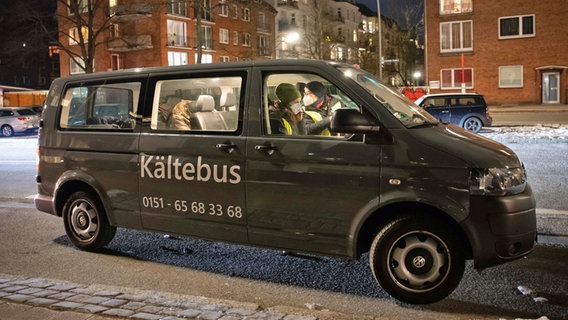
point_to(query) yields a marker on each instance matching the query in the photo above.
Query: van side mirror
(351, 121)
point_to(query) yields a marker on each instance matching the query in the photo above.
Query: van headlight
(497, 181)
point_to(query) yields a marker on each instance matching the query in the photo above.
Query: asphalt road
(34, 244)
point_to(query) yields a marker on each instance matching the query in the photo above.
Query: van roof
(208, 66)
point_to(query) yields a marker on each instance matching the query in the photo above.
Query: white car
(18, 120)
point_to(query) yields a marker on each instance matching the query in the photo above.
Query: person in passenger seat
(181, 115)
(288, 111)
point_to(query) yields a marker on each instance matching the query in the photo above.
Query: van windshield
(409, 114)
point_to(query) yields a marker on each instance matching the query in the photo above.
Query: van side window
(301, 104)
(100, 107)
(197, 104)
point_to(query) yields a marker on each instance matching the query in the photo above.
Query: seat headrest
(228, 99)
(205, 103)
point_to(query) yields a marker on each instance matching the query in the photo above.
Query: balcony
(130, 43)
(126, 12)
(284, 26)
(287, 3)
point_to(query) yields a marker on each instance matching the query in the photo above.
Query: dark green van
(195, 150)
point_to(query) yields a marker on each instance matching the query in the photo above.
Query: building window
(115, 62)
(206, 11)
(235, 12)
(456, 36)
(452, 78)
(112, 7)
(511, 77)
(225, 59)
(114, 29)
(262, 21)
(205, 58)
(235, 38)
(223, 8)
(262, 46)
(516, 27)
(177, 7)
(75, 37)
(246, 14)
(224, 36)
(77, 6)
(177, 58)
(455, 6)
(177, 33)
(246, 40)
(206, 37)
(77, 67)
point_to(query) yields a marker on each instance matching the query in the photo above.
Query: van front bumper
(501, 229)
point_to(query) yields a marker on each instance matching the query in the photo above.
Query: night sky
(392, 8)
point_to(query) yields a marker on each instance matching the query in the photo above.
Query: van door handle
(229, 147)
(447, 111)
(269, 149)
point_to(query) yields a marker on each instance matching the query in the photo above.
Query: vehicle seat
(205, 117)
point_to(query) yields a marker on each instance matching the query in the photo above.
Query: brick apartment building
(137, 33)
(514, 52)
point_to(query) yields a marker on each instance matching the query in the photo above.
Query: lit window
(177, 58)
(455, 6)
(75, 37)
(176, 33)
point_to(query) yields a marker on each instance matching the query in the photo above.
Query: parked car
(467, 110)
(37, 109)
(18, 120)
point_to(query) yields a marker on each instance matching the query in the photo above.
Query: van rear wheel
(417, 260)
(85, 222)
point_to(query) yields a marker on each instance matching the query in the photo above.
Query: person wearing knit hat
(289, 110)
(317, 108)
(287, 93)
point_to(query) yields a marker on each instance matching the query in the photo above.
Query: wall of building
(547, 50)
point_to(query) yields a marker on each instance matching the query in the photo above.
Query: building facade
(514, 52)
(138, 33)
(310, 29)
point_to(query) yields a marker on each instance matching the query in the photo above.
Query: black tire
(86, 223)
(417, 260)
(7, 131)
(473, 124)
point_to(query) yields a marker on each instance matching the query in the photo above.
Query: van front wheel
(85, 222)
(417, 260)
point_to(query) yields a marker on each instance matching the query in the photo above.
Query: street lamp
(380, 49)
(417, 75)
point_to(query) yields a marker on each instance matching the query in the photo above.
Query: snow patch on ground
(528, 134)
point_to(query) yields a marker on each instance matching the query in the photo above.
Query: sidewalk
(43, 299)
(529, 108)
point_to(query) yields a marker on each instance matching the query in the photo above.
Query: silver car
(18, 120)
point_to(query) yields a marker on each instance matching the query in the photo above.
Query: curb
(129, 303)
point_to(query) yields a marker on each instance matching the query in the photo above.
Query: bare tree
(319, 38)
(410, 22)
